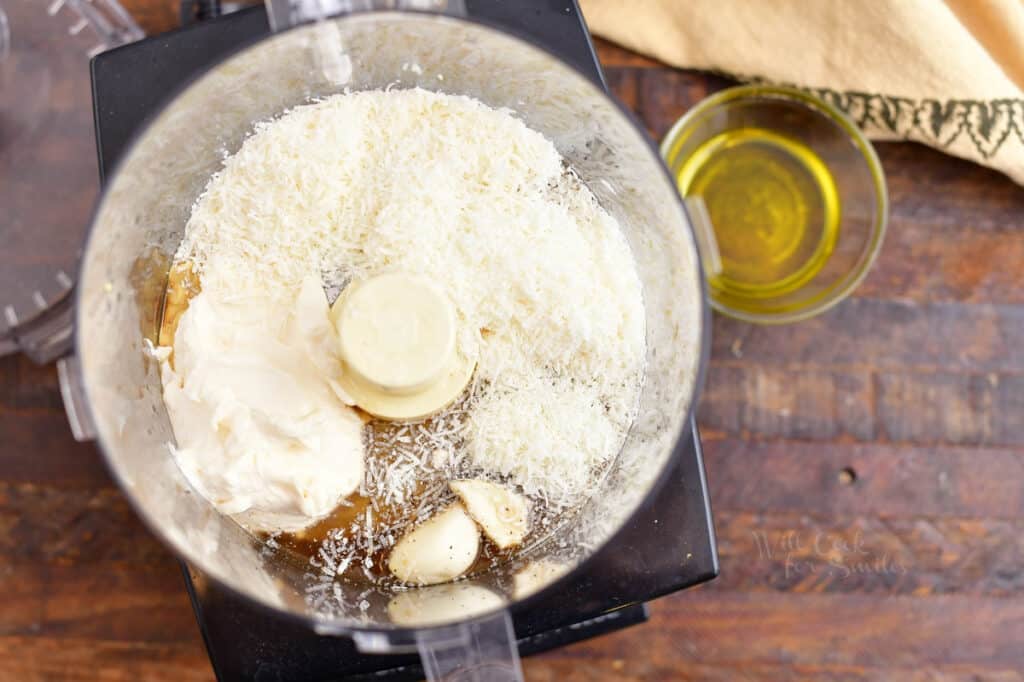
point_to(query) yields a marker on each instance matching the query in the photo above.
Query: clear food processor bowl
(140, 221)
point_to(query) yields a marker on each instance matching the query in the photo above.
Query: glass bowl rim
(758, 91)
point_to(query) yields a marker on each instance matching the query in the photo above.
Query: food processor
(645, 532)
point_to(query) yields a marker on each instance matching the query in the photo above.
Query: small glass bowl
(855, 171)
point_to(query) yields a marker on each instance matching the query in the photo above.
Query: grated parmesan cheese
(444, 187)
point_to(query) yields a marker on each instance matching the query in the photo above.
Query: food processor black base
(246, 642)
(667, 546)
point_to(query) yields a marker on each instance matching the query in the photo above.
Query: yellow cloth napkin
(948, 73)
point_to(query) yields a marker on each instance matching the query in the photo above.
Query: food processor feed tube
(461, 627)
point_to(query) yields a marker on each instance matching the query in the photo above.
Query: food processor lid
(48, 176)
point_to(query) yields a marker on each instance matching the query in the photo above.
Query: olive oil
(774, 209)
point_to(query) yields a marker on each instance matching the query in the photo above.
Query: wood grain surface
(866, 471)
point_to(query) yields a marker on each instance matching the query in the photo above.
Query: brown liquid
(306, 545)
(182, 287)
(363, 560)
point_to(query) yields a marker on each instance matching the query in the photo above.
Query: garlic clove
(503, 514)
(440, 549)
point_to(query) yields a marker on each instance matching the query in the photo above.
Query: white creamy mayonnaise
(263, 430)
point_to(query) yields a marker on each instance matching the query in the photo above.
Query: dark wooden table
(866, 467)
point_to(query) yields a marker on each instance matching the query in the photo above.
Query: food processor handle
(479, 650)
(286, 13)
